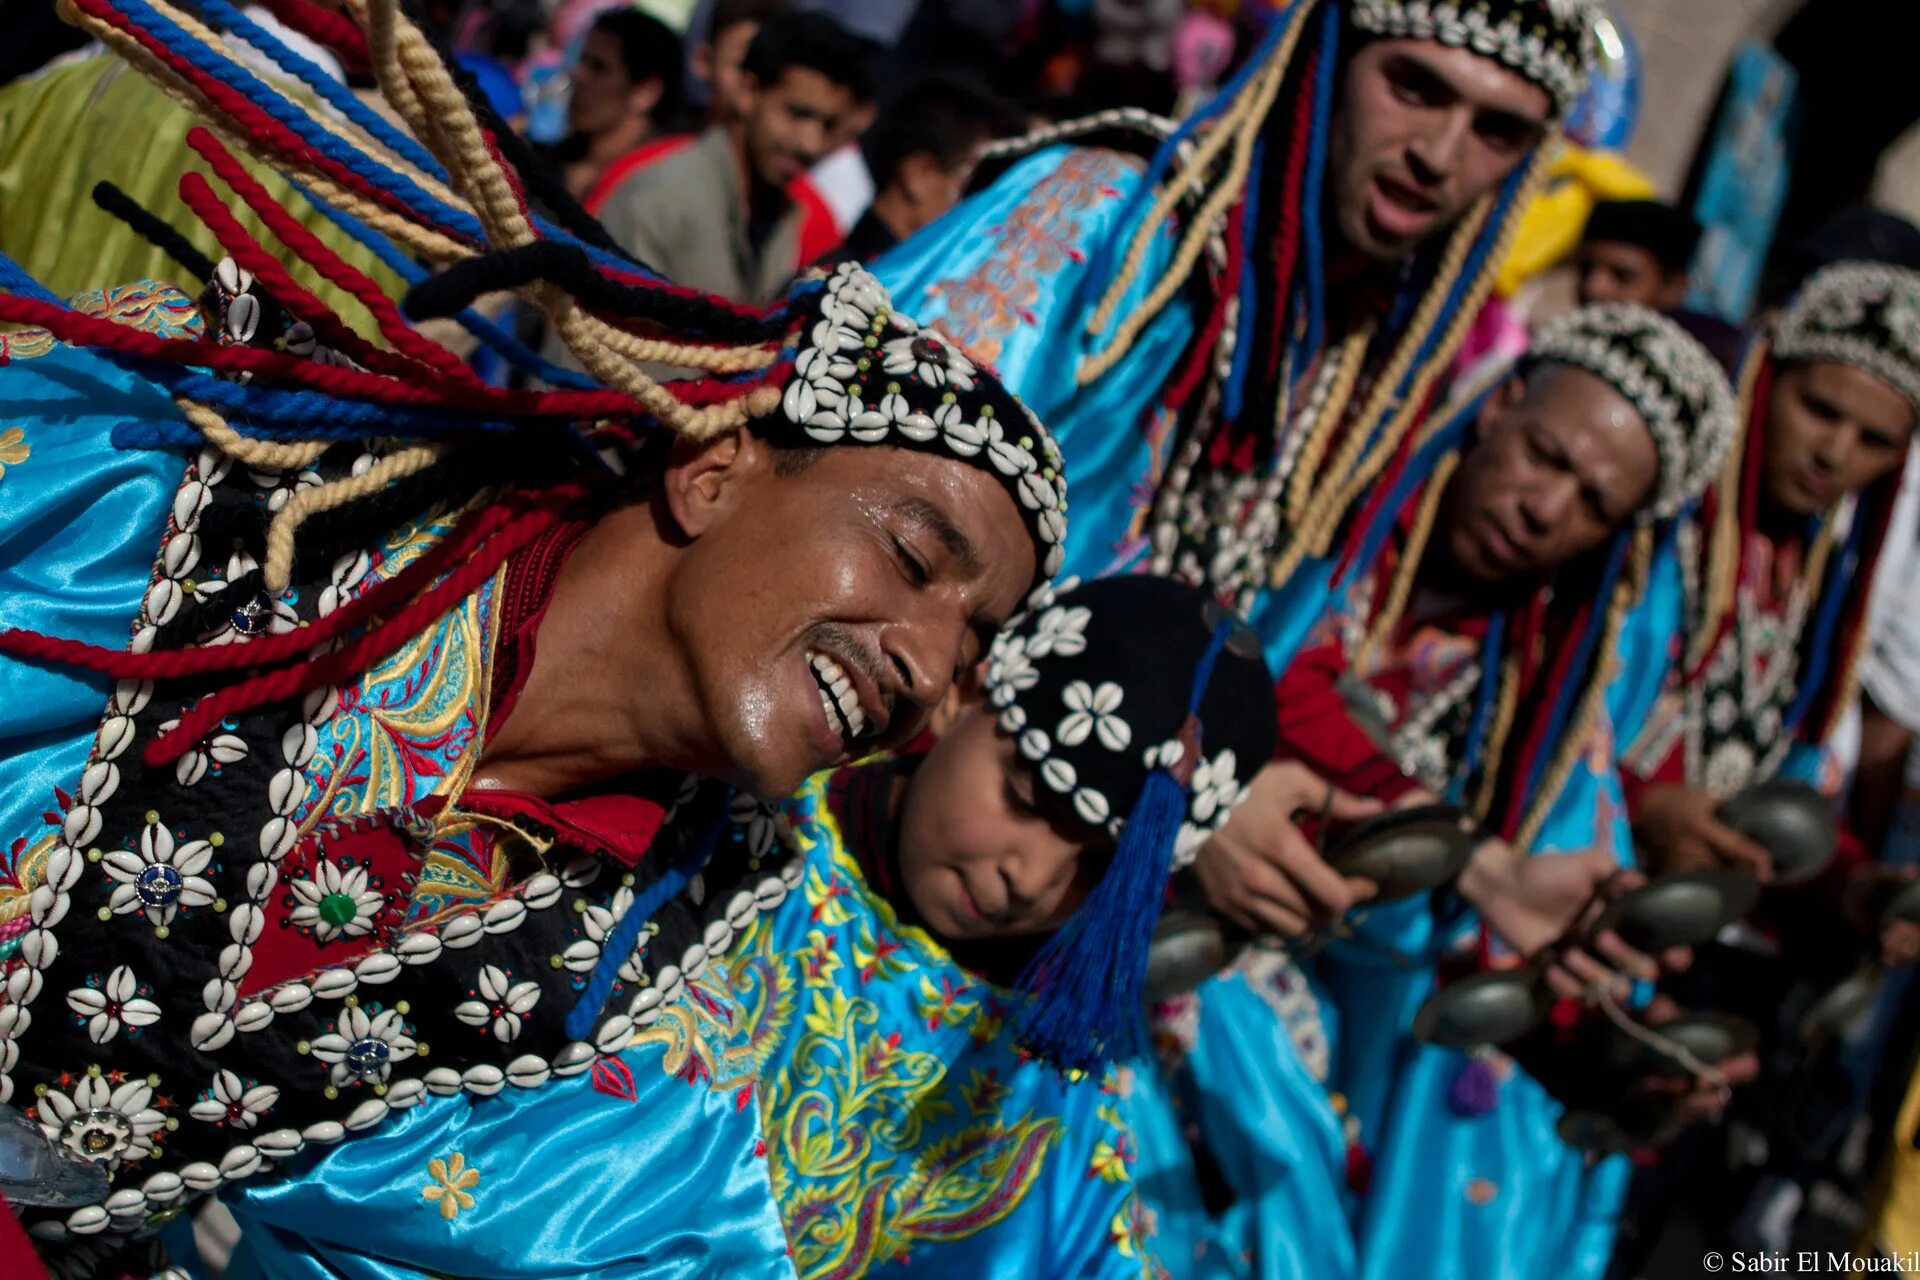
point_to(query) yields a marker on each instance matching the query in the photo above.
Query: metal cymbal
(1406, 851)
(1189, 946)
(1488, 1008)
(1791, 821)
(34, 1171)
(1681, 910)
(1712, 1038)
(1903, 907)
(1635, 1126)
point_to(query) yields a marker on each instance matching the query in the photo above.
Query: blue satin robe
(906, 1133)
(682, 1189)
(80, 525)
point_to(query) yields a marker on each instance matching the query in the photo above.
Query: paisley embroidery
(1031, 246)
(894, 1119)
(149, 306)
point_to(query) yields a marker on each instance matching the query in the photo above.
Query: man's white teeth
(837, 696)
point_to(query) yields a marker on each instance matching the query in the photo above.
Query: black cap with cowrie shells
(864, 374)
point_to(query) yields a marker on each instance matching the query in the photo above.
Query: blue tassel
(1087, 981)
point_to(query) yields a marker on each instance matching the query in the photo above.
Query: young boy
(971, 919)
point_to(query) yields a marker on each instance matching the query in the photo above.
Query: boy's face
(985, 850)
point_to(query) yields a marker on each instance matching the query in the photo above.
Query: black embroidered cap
(868, 374)
(1093, 685)
(1550, 42)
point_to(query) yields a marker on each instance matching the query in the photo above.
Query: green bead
(153, 817)
(339, 908)
(216, 839)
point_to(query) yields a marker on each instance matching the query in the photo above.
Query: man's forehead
(1478, 78)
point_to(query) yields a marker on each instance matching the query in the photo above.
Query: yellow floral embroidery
(873, 1147)
(13, 448)
(452, 1185)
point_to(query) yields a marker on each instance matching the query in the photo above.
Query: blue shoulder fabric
(1008, 276)
(80, 527)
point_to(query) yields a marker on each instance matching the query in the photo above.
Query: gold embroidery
(697, 1037)
(14, 448)
(452, 1185)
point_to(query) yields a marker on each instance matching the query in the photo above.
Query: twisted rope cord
(277, 571)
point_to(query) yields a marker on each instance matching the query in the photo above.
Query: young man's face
(822, 614)
(1832, 429)
(1613, 271)
(985, 851)
(792, 123)
(1562, 462)
(1420, 133)
(602, 95)
(718, 63)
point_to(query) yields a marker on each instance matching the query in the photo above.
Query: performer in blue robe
(922, 1109)
(386, 791)
(1459, 1183)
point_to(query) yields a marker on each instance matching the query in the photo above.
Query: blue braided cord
(1311, 195)
(1100, 267)
(1583, 656)
(1833, 595)
(1419, 468)
(1243, 341)
(1203, 674)
(626, 935)
(1492, 649)
(499, 340)
(14, 279)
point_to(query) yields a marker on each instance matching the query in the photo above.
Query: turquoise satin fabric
(80, 525)
(906, 1133)
(1007, 274)
(563, 1180)
(1267, 1120)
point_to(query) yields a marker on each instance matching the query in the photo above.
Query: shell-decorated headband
(1865, 314)
(1674, 383)
(1551, 42)
(868, 374)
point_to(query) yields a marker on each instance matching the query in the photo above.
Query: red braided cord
(268, 650)
(1200, 355)
(1286, 241)
(198, 196)
(1516, 766)
(83, 330)
(315, 253)
(362, 651)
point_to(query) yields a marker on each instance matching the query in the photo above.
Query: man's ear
(1504, 397)
(644, 96)
(701, 63)
(1673, 293)
(706, 481)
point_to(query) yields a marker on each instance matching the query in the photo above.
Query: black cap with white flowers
(867, 374)
(1148, 708)
(1553, 43)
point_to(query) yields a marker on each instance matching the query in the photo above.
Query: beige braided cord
(1326, 423)
(266, 455)
(278, 569)
(1239, 124)
(1387, 620)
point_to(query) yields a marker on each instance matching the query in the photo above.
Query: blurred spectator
(717, 60)
(627, 76)
(1636, 251)
(921, 153)
(716, 214)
